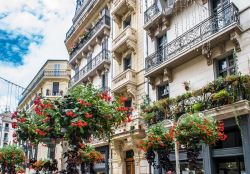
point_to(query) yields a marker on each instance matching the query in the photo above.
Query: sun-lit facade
(50, 82)
(138, 48)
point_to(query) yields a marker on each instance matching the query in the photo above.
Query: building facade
(89, 45)
(6, 130)
(196, 41)
(137, 48)
(50, 82)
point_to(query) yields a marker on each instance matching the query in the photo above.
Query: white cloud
(51, 18)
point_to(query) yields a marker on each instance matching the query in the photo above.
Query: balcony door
(161, 42)
(57, 69)
(55, 88)
(89, 62)
(222, 14)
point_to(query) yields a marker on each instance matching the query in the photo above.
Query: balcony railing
(38, 78)
(105, 20)
(86, 7)
(201, 32)
(151, 12)
(97, 60)
(121, 80)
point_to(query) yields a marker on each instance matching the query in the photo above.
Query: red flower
(21, 120)
(87, 115)
(123, 99)
(14, 135)
(79, 124)
(14, 115)
(122, 108)
(39, 132)
(105, 96)
(84, 103)
(70, 114)
(14, 125)
(38, 111)
(37, 101)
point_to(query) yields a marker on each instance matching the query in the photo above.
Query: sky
(31, 31)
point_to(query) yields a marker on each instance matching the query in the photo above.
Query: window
(170, 3)
(56, 69)
(127, 22)
(51, 152)
(128, 103)
(5, 138)
(105, 44)
(127, 63)
(76, 77)
(89, 62)
(225, 66)
(55, 88)
(161, 41)
(162, 91)
(6, 126)
(47, 92)
(233, 138)
(104, 81)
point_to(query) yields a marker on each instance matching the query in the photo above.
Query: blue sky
(31, 31)
(14, 46)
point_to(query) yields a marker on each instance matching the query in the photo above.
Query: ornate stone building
(151, 47)
(51, 82)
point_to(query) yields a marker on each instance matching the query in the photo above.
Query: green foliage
(220, 92)
(83, 112)
(11, 155)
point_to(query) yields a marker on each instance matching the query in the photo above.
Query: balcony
(222, 26)
(83, 15)
(125, 83)
(98, 63)
(124, 43)
(98, 31)
(154, 18)
(125, 130)
(122, 8)
(57, 74)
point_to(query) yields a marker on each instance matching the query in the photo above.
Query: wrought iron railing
(38, 78)
(105, 20)
(86, 7)
(201, 32)
(151, 12)
(103, 55)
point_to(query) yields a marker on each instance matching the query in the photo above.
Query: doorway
(130, 164)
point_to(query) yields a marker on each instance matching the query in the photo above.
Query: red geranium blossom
(79, 124)
(14, 125)
(123, 99)
(87, 115)
(70, 114)
(39, 132)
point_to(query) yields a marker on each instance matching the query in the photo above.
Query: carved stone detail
(234, 37)
(151, 81)
(131, 90)
(168, 73)
(207, 53)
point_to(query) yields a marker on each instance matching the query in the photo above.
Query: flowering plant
(84, 112)
(10, 157)
(20, 170)
(197, 127)
(158, 137)
(87, 153)
(159, 140)
(45, 165)
(194, 129)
